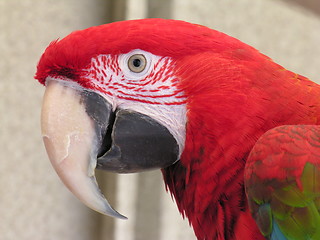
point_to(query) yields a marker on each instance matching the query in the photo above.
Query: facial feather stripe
(156, 85)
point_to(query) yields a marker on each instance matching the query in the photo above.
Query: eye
(137, 63)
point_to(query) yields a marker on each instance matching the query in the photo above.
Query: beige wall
(285, 32)
(33, 202)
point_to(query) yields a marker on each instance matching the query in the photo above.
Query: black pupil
(136, 62)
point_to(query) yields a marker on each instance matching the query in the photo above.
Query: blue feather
(276, 232)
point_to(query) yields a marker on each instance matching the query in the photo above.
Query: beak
(80, 133)
(72, 143)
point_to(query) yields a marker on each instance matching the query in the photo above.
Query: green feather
(296, 210)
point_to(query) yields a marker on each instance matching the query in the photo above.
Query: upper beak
(72, 143)
(78, 126)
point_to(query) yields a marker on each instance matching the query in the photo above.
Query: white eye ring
(137, 63)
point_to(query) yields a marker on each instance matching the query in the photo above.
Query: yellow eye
(137, 63)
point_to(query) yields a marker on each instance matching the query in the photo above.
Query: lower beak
(80, 133)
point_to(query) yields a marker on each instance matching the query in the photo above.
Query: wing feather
(282, 180)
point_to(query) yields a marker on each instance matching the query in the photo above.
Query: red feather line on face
(156, 87)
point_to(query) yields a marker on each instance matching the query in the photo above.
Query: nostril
(107, 138)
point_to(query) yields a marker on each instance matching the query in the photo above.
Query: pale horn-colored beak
(72, 143)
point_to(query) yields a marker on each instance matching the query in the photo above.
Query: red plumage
(237, 96)
(234, 95)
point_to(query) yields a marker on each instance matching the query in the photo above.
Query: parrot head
(124, 97)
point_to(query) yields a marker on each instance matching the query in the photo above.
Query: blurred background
(33, 202)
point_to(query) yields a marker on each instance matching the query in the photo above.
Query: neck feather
(207, 182)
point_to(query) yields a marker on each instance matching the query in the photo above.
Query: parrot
(234, 134)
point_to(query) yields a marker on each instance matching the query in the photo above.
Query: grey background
(33, 202)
